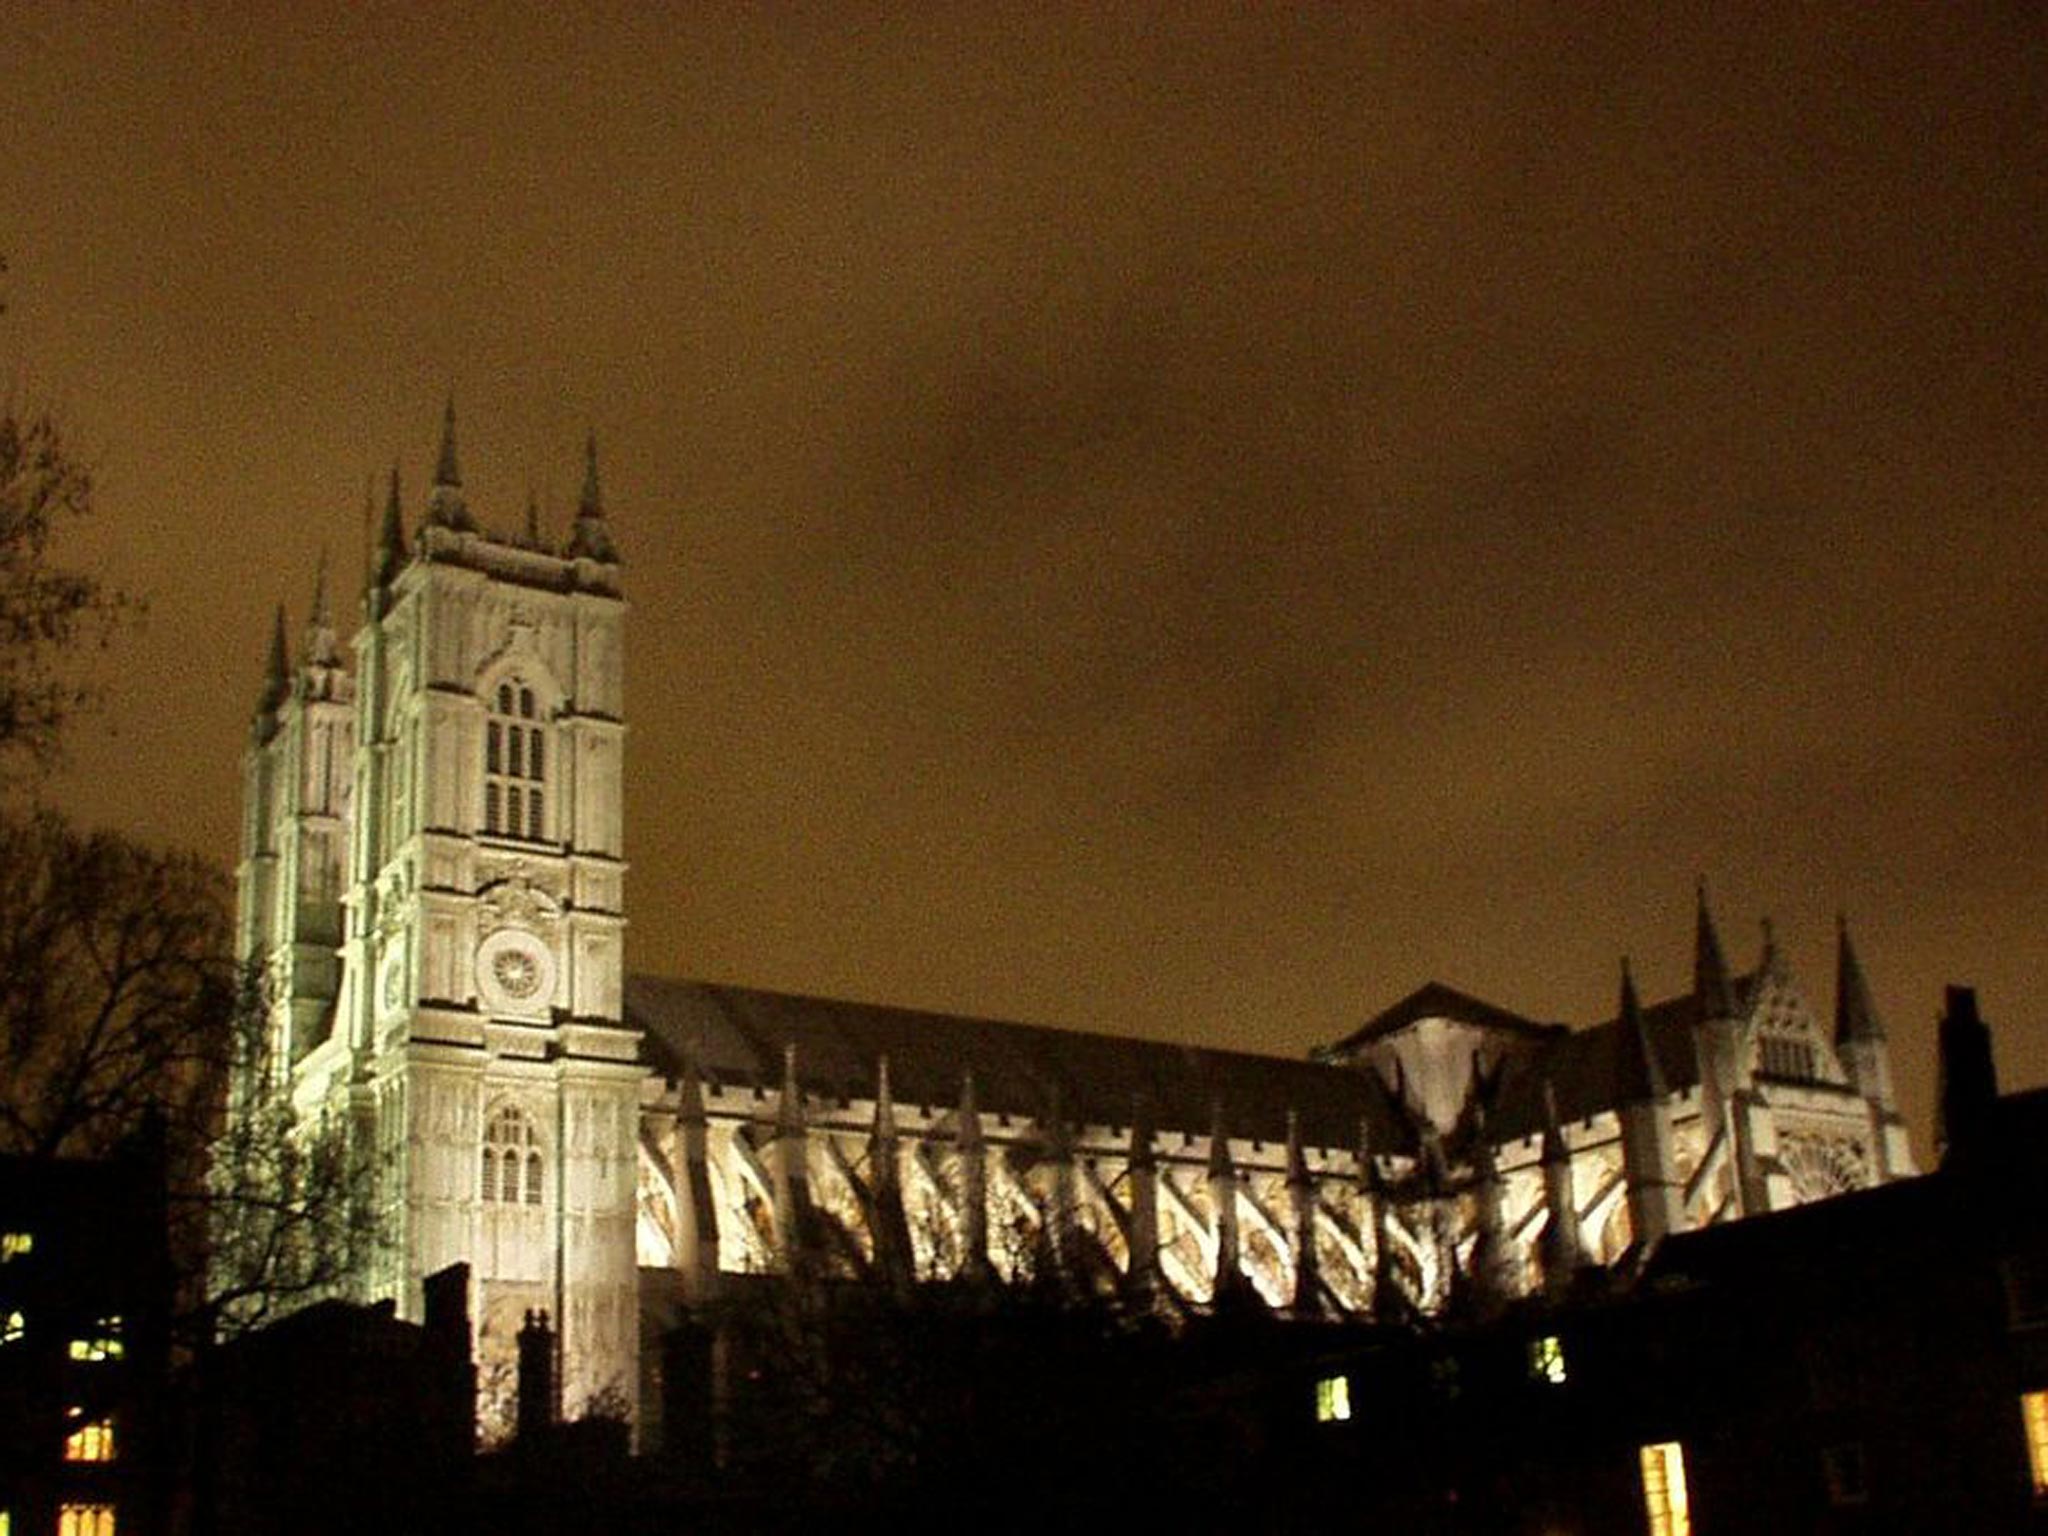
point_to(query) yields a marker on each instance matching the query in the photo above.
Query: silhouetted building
(338, 1418)
(85, 1295)
(1872, 1363)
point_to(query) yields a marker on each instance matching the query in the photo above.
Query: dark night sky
(1173, 520)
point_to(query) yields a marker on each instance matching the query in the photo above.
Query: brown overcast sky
(1187, 521)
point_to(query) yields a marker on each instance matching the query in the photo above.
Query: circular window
(515, 973)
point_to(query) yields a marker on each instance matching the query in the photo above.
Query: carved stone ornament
(394, 902)
(515, 973)
(518, 902)
(393, 987)
(520, 648)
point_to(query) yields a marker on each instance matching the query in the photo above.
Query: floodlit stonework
(433, 877)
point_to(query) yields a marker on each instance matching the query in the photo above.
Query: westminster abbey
(433, 876)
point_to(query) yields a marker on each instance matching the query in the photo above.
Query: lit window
(2034, 1410)
(12, 1327)
(1664, 1489)
(515, 758)
(1546, 1360)
(1333, 1400)
(103, 1344)
(14, 1245)
(85, 1520)
(511, 1159)
(93, 1441)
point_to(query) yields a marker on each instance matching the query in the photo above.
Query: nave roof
(736, 1037)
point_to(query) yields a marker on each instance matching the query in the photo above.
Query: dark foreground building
(84, 1344)
(1873, 1363)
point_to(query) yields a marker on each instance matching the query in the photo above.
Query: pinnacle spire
(1641, 1078)
(1219, 1143)
(277, 682)
(1855, 1014)
(1710, 986)
(1771, 963)
(885, 1102)
(690, 1091)
(320, 650)
(1554, 1148)
(445, 505)
(591, 538)
(320, 614)
(1559, 1242)
(390, 557)
(789, 1113)
(591, 503)
(1297, 1162)
(970, 1111)
(447, 471)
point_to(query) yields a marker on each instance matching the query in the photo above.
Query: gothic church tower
(471, 1020)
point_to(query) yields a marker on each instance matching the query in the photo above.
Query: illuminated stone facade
(433, 877)
(433, 870)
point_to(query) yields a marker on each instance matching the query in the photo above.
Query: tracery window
(1787, 1057)
(515, 764)
(1823, 1165)
(512, 1167)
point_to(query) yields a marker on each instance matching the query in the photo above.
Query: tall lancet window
(512, 1169)
(515, 765)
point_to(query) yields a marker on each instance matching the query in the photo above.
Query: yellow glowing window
(2034, 1411)
(93, 1441)
(14, 1245)
(12, 1327)
(1546, 1360)
(85, 1520)
(1333, 1400)
(1664, 1489)
(104, 1344)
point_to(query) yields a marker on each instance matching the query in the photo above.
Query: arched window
(1788, 1057)
(515, 764)
(512, 1170)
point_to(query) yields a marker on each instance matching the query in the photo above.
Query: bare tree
(48, 614)
(122, 1013)
(288, 1209)
(117, 996)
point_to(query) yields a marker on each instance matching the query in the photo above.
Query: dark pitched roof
(1434, 1000)
(736, 1037)
(1586, 1067)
